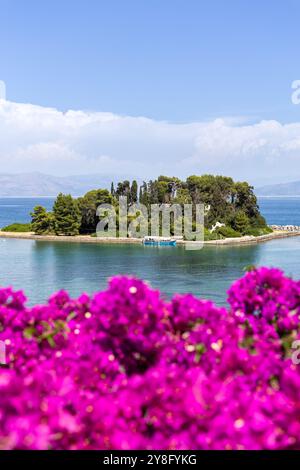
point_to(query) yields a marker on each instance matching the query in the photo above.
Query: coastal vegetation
(16, 227)
(42, 221)
(66, 215)
(232, 205)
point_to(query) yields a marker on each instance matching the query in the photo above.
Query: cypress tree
(134, 192)
(144, 194)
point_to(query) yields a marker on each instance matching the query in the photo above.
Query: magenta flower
(127, 370)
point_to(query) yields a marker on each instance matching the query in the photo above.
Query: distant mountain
(283, 189)
(40, 184)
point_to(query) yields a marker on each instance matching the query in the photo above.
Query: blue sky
(166, 59)
(181, 61)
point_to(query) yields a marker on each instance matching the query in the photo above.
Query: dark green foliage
(164, 189)
(41, 221)
(226, 201)
(215, 192)
(66, 215)
(240, 221)
(123, 189)
(258, 221)
(144, 195)
(134, 192)
(183, 197)
(17, 228)
(88, 206)
(246, 201)
(160, 191)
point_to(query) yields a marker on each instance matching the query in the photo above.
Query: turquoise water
(40, 268)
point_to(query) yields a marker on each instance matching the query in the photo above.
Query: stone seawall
(88, 239)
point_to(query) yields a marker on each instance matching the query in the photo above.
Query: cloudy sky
(77, 142)
(143, 88)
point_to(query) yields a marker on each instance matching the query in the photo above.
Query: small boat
(159, 241)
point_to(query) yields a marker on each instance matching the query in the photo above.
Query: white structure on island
(217, 225)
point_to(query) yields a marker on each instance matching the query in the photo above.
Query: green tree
(123, 189)
(88, 207)
(240, 222)
(66, 215)
(213, 191)
(246, 200)
(144, 194)
(166, 188)
(41, 220)
(134, 192)
(183, 197)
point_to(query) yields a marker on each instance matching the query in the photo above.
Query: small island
(232, 213)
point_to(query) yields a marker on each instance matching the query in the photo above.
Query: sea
(41, 268)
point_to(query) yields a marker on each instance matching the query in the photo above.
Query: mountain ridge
(36, 184)
(282, 189)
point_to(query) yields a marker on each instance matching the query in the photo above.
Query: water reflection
(40, 268)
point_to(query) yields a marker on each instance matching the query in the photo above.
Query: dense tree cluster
(226, 201)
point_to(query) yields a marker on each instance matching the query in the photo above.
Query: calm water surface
(276, 210)
(280, 211)
(40, 268)
(18, 209)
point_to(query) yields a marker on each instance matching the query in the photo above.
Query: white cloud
(34, 138)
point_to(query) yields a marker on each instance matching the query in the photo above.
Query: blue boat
(159, 241)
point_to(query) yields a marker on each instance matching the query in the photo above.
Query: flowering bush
(127, 370)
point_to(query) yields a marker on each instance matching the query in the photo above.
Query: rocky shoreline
(110, 240)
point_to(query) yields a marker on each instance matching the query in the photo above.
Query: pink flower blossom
(126, 369)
